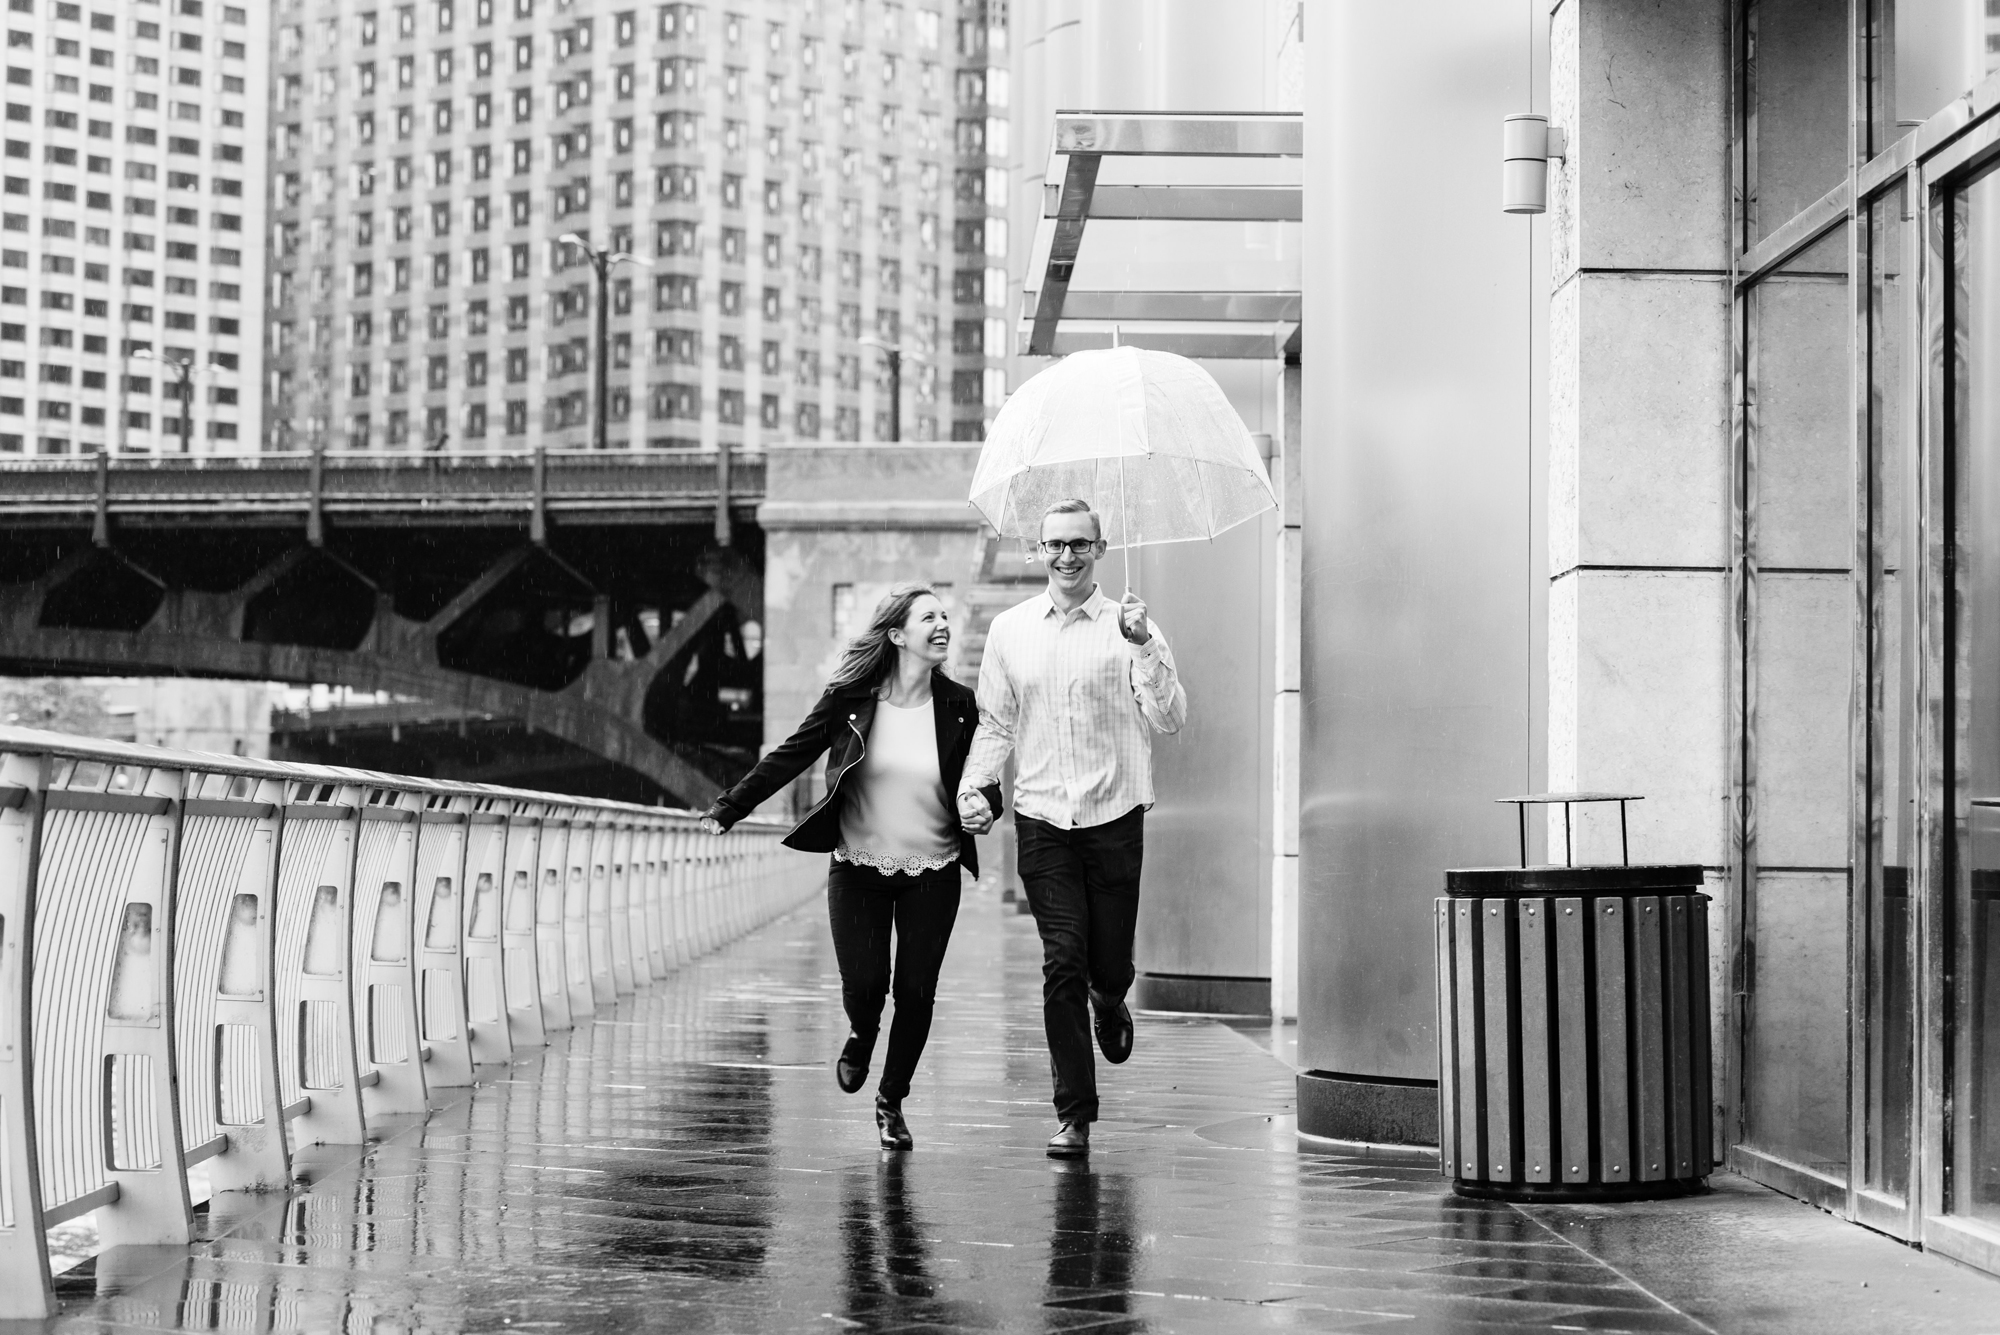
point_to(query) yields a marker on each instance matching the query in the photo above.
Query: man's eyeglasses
(1075, 546)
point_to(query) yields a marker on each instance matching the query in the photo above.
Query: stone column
(1639, 491)
(1421, 579)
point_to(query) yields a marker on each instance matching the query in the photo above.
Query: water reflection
(1093, 1246)
(884, 1246)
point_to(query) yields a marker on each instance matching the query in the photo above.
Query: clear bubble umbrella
(1148, 438)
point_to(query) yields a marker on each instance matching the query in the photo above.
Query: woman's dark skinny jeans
(862, 903)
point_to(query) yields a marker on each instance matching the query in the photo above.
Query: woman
(896, 731)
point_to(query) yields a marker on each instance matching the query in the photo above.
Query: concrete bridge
(599, 598)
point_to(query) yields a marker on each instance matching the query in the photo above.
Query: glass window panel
(1972, 764)
(1801, 444)
(1797, 93)
(1887, 994)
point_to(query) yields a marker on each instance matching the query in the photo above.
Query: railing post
(25, 1291)
(385, 979)
(679, 891)
(603, 981)
(319, 1067)
(651, 838)
(724, 531)
(552, 918)
(232, 1108)
(440, 962)
(134, 834)
(100, 523)
(316, 496)
(527, 1026)
(538, 505)
(576, 914)
(488, 1008)
(621, 928)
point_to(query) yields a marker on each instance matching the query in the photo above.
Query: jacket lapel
(951, 718)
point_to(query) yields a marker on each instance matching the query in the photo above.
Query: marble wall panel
(1638, 702)
(1639, 470)
(1643, 91)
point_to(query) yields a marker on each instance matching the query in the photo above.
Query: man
(1071, 682)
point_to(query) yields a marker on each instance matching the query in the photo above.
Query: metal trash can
(1573, 1043)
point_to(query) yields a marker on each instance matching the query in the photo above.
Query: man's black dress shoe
(851, 1070)
(889, 1124)
(1114, 1030)
(1072, 1142)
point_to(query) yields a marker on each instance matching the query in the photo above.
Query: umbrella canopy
(1148, 438)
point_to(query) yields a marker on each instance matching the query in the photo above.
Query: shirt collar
(1091, 606)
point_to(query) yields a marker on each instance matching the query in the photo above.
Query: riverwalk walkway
(685, 1163)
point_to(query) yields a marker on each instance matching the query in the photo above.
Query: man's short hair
(1073, 506)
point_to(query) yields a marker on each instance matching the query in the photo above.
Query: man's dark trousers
(1083, 886)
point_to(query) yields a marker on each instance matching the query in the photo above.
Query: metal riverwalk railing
(212, 960)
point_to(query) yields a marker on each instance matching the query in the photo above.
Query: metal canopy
(1136, 174)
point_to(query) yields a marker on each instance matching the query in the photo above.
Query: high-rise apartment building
(792, 176)
(131, 225)
(980, 291)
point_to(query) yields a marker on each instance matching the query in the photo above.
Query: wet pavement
(686, 1163)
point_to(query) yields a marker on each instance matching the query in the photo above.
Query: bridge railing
(350, 481)
(213, 960)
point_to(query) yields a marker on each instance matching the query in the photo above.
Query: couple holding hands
(1072, 683)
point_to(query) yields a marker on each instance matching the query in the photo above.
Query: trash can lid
(1645, 878)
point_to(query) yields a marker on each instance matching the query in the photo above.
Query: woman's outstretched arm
(786, 762)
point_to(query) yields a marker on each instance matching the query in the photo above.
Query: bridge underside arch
(633, 644)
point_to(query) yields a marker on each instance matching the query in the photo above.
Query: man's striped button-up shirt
(1076, 702)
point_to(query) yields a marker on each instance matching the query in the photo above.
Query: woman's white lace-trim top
(893, 802)
(890, 864)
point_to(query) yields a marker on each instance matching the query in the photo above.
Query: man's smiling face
(1070, 571)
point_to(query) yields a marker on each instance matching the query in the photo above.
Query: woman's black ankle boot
(895, 1132)
(851, 1070)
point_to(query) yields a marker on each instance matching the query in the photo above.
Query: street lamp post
(183, 369)
(895, 354)
(603, 259)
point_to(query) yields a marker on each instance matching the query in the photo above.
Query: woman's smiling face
(926, 630)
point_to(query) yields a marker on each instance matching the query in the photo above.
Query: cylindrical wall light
(1527, 142)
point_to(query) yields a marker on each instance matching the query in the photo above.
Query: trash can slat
(1471, 1152)
(1537, 1094)
(1501, 1087)
(1680, 1041)
(1447, 1038)
(1649, 1057)
(1614, 1108)
(1702, 1067)
(1573, 1038)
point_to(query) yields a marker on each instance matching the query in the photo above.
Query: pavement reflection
(1092, 1238)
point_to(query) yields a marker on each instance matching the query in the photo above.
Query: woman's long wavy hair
(870, 656)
